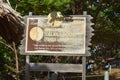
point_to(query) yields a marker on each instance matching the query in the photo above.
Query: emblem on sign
(55, 19)
(36, 34)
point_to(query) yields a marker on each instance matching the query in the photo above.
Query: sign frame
(87, 33)
(57, 52)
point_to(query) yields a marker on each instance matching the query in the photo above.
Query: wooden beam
(56, 67)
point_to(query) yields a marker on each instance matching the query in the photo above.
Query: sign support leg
(84, 68)
(27, 77)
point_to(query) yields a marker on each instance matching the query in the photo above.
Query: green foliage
(41, 6)
(56, 2)
(6, 57)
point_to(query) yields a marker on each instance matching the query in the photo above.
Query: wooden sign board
(56, 37)
(59, 36)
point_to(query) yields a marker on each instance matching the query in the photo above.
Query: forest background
(105, 42)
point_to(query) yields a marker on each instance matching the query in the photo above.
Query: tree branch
(11, 68)
(7, 45)
(97, 11)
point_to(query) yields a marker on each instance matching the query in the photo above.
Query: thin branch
(17, 63)
(11, 68)
(7, 45)
(97, 11)
(89, 5)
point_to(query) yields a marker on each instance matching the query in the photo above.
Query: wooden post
(27, 69)
(84, 60)
(84, 68)
(106, 75)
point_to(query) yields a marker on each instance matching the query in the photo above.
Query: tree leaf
(94, 7)
(59, 3)
(48, 2)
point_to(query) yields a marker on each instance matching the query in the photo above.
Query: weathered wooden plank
(56, 67)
